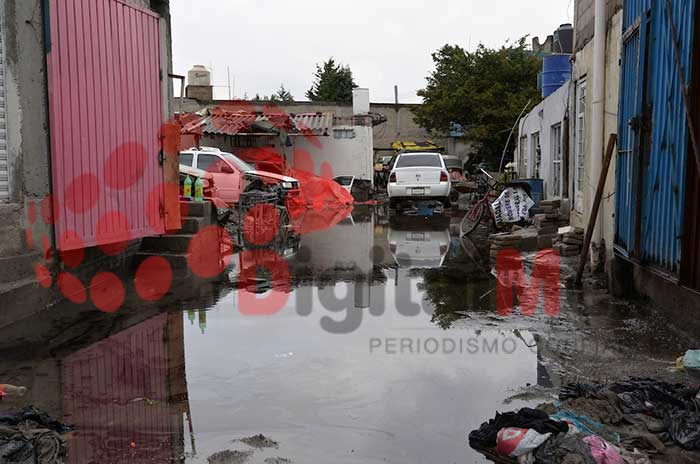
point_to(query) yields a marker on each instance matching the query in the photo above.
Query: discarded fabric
(516, 442)
(31, 437)
(564, 449)
(583, 424)
(602, 451)
(487, 435)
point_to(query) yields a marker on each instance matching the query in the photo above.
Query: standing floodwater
(385, 346)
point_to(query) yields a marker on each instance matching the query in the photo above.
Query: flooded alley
(388, 349)
(237, 232)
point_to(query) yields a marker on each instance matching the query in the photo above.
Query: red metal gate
(106, 112)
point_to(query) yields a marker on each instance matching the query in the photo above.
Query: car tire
(393, 203)
(446, 202)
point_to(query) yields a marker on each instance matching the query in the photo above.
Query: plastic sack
(691, 363)
(602, 451)
(684, 428)
(512, 206)
(691, 360)
(516, 442)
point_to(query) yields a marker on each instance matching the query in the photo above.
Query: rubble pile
(570, 242)
(547, 224)
(543, 234)
(635, 421)
(504, 241)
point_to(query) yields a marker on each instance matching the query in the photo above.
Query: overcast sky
(385, 42)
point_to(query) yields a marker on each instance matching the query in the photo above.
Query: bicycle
(476, 214)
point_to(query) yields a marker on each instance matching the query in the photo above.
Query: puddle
(376, 340)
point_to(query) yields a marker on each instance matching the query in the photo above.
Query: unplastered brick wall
(584, 19)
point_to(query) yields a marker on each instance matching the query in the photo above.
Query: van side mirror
(225, 168)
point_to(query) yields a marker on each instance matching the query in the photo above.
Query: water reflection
(419, 244)
(367, 357)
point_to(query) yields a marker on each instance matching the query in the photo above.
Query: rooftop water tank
(564, 39)
(199, 75)
(556, 71)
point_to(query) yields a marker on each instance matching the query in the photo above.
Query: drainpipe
(598, 110)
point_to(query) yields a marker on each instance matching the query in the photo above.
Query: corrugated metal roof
(226, 122)
(316, 123)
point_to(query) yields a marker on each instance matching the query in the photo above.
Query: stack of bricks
(504, 241)
(570, 243)
(548, 223)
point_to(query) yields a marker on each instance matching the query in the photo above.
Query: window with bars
(580, 143)
(555, 145)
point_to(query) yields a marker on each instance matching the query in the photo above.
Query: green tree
(484, 91)
(282, 95)
(332, 82)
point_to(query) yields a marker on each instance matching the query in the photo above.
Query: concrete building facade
(582, 179)
(400, 122)
(541, 152)
(28, 150)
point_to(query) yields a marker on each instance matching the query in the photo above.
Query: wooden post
(171, 175)
(596, 207)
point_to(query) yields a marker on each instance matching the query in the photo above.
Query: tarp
(323, 202)
(512, 206)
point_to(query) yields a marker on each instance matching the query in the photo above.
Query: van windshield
(413, 161)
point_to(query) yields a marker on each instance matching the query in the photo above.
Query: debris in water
(259, 441)
(278, 461)
(229, 457)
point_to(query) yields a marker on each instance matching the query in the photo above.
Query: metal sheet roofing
(315, 123)
(226, 122)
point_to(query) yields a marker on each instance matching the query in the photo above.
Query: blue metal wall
(663, 171)
(665, 176)
(631, 96)
(633, 9)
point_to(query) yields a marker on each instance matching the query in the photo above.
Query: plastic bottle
(12, 391)
(199, 190)
(187, 189)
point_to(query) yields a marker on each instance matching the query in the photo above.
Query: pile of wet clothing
(637, 421)
(29, 436)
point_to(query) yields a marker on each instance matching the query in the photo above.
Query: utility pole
(228, 70)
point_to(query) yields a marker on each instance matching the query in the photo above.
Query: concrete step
(166, 243)
(18, 267)
(192, 225)
(196, 209)
(27, 297)
(177, 261)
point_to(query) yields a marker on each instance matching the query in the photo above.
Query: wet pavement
(381, 343)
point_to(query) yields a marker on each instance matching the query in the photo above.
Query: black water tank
(564, 39)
